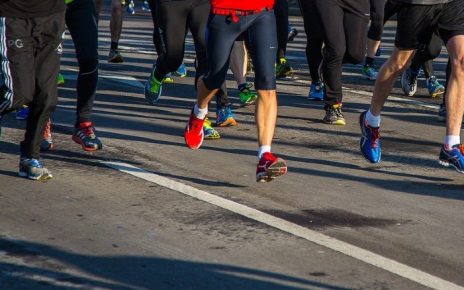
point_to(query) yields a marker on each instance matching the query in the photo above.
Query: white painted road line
(368, 257)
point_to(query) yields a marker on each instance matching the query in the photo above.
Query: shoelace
(375, 137)
(87, 131)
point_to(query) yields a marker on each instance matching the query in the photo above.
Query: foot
(181, 71)
(246, 95)
(225, 117)
(60, 79)
(22, 113)
(333, 115)
(316, 91)
(146, 6)
(369, 72)
(209, 132)
(153, 88)
(453, 157)
(370, 140)
(33, 169)
(115, 57)
(193, 133)
(47, 142)
(283, 69)
(84, 135)
(130, 7)
(270, 167)
(435, 88)
(292, 33)
(409, 82)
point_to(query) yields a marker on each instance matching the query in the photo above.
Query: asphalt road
(94, 227)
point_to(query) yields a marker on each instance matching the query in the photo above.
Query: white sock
(372, 121)
(263, 149)
(451, 140)
(200, 113)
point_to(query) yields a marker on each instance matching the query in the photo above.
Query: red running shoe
(193, 133)
(47, 142)
(84, 135)
(269, 167)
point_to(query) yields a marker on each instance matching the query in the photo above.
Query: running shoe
(130, 7)
(47, 142)
(181, 71)
(153, 88)
(442, 113)
(225, 117)
(370, 140)
(369, 72)
(33, 169)
(292, 33)
(435, 88)
(246, 95)
(409, 82)
(115, 57)
(146, 6)
(283, 69)
(84, 135)
(60, 79)
(193, 133)
(316, 91)
(209, 132)
(453, 157)
(168, 79)
(22, 113)
(333, 115)
(270, 167)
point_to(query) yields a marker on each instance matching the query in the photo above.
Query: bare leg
(238, 62)
(266, 116)
(387, 76)
(204, 95)
(455, 89)
(372, 46)
(116, 20)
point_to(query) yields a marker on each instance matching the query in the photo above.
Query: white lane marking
(128, 80)
(291, 228)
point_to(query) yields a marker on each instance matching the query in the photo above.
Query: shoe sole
(437, 94)
(338, 122)
(275, 170)
(116, 59)
(227, 123)
(447, 164)
(87, 149)
(39, 178)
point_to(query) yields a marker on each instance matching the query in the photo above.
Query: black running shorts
(417, 23)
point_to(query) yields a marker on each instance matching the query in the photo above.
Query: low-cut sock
(199, 112)
(371, 120)
(451, 140)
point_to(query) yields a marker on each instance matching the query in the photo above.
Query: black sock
(114, 45)
(369, 61)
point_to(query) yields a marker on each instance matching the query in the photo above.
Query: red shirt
(242, 4)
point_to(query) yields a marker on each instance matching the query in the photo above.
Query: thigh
(416, 24)
(332, 23)
(355, 27)
(17, 59)
(451, 20)
(81, 21)
(263, 47)
(172, 20)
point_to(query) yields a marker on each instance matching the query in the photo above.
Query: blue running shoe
(130, 7)
(181, 71)
(316, 91)
(453, 157)
(153, 88)
(370, 140)
(224, 117)
(146, 6)
(33, 169)
(435, 88)
(22, 113)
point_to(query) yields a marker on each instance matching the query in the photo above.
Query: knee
(354, 56)
(457, 66)
(88, 64)
(334, 55)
